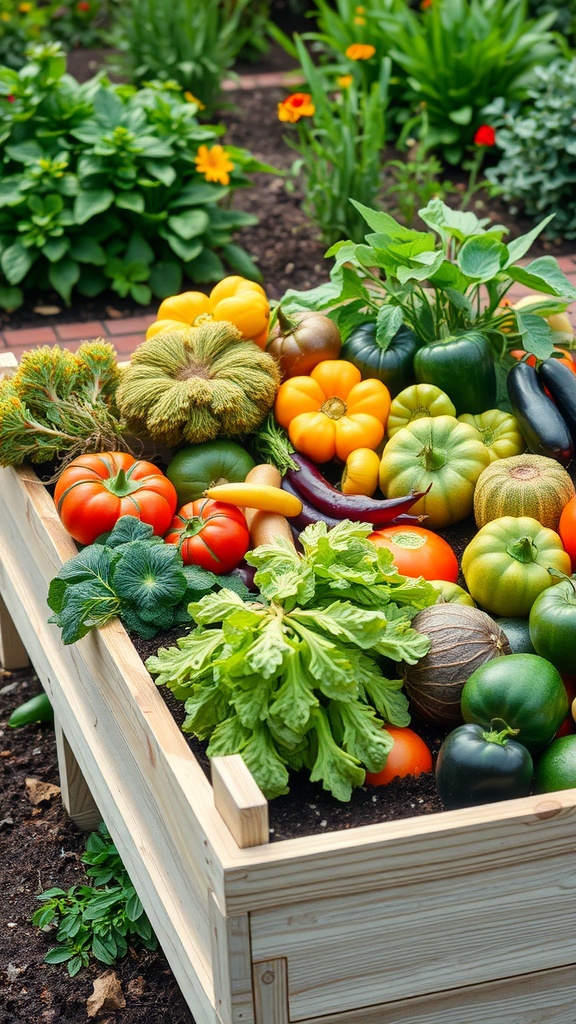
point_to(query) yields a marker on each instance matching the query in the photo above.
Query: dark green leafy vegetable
(132, 574)
(295, 681)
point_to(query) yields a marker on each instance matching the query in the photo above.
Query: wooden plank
(477, 928)
(547, 996)
(271, 992)
(76, 797)
(232, 962)
(13, 654)
(8, 364)
(513, 832)
(153, 796)
(240, 801)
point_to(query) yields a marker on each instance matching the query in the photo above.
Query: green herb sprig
(99, 920)
(295, 682)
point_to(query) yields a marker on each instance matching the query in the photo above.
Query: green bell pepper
(479, 766)
(463, 367)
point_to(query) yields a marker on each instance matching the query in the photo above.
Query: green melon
(523, 485)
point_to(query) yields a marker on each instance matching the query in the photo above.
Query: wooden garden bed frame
(461, 917)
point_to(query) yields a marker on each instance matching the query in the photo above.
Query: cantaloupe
(523, 485)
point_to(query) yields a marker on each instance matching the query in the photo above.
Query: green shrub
(459, 55)
(537, 166)
(192, 42)
(71, 22)
(564, 16)
(107, 186)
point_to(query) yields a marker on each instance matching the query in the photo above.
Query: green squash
(390, 363)
(196, 467)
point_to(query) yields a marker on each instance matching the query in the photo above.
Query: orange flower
(425, 4)
(344, 81)
(214, 164)
(360, 51)
(295, 106)
(359, 20)
(24, 8)
(190, 98)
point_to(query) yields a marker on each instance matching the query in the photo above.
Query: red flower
(485, 136)
(10, 99)
(83, 6)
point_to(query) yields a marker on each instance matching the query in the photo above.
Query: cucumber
(37, 709)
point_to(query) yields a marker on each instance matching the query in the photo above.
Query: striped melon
(523, 485)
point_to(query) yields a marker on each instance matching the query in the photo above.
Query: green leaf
(133, 201)
(294, 699)
(265, 764)
(16, 261)
(149, 576)
(63, 276)
(92, 202)
(481, 258)
(536, 334)
(544, 275)
(462, 116)
(189, 224)
(388, 698)
(338, 771)
(518, 247)
(363, 734)
(58, 955)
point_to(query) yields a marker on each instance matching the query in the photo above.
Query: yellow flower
(24, 8)
(360, 51)
(190, 98)
(295, 106)
(360, 10)
(214, 164)
(4, 16)
(358, 20)
(345, 80)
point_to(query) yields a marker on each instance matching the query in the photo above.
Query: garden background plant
(107, 186)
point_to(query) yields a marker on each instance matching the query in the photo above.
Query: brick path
(125, 334)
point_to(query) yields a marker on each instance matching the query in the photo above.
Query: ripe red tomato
(418, 552)
(94, 491)
(409, 756)
(212, 534)
(567, 530)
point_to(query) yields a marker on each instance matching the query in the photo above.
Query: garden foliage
(537, 164)
(104, 186)
(70, 22)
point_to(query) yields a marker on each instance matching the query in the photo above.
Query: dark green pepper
(392, 362)
(480, 766)
(196, 467)
(463, 367)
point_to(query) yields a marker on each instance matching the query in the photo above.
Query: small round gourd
(461, 640)
(523, 485)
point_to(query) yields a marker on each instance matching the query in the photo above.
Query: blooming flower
(190, 98)
(214, 164)
(344, 81)
(485, 136)
(359, 20)
(83, 6)
(295, 106)
(24, 8)
(360, 51)
(425, 4)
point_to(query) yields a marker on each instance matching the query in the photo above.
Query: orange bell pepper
(235, 299)
(331, 412)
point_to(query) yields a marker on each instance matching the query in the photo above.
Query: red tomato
(94, 491)
(418, 552)
(409, 756)
(212, 534)
(567, 530)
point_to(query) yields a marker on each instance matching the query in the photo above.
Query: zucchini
(541, 423)
(561, 383)
(37, 709)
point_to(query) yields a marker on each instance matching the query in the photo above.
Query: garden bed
(406, 920)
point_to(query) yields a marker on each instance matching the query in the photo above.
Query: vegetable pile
(358, 514)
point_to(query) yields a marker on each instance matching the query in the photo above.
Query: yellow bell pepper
(332, 412)
(234, 299)
(361, 472)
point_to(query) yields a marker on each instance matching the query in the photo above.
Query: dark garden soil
(39, 848)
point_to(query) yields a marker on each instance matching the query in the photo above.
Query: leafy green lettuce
(295, 680)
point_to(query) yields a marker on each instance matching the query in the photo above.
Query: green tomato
(552, 625)
(452, 593)
(506, 564)
(440, 453)
(522, 691)
(196, 467)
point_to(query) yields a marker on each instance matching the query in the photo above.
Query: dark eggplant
(309, 513)
(541, 422)
(561, 383)
(328, 500)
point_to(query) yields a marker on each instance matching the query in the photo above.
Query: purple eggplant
(312, 487)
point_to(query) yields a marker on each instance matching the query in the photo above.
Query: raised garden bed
(452, 916)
